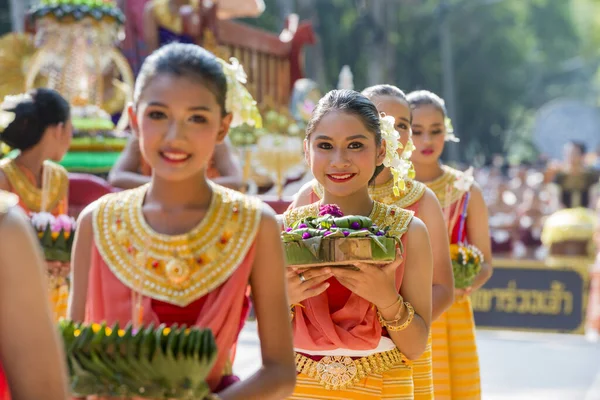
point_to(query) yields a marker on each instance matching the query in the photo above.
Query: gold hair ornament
(400, 165)
(239, 101)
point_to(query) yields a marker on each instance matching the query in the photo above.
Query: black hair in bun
(34, 112)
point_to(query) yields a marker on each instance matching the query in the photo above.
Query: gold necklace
(178, 269)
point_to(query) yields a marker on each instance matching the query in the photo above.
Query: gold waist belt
(342, 372)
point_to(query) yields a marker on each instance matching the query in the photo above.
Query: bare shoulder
(417, 230)
(304, 195)
(429, 201)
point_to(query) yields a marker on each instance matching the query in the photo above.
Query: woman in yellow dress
(455, 359)
(356, 330)
(31, 357)
(415, 197)
(38, 124)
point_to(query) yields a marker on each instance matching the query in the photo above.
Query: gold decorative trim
(342, 372)
(384, 193)
(177, 269)
(31, 195)
(444, 185)
(382, 215)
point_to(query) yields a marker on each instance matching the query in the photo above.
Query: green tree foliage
(510, 57)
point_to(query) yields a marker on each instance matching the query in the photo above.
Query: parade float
(73, 49)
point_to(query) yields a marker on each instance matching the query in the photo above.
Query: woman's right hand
(306, 283)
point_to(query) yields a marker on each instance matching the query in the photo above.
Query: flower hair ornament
(239, 101)
(7, 116)
(450, 136)
(399, 164)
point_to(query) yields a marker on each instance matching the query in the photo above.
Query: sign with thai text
(532, 297)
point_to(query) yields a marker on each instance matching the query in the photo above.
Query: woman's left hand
(374, 283)
(460, 293)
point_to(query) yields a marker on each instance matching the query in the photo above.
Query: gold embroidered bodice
(443, 187)
(384, 193)
(167, 19)
(382, 215)
(32, 196)
(177, 269)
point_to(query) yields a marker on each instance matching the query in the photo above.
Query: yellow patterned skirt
(395, 383)
(58, 294)
(455, 360)
(423, 374)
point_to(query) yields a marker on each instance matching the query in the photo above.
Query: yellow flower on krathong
(107, 331)
(96, 328)
(121, 332)
(76, 333)
(166, 331)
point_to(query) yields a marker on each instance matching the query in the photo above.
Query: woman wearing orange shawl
(356, 330)
(455, 359)
(182, 249)
(38, 124)
(415, 197)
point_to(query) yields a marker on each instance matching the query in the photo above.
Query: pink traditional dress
(455, 359)
(198, 278)
(342, 351)
(33, 200)
(409, 199)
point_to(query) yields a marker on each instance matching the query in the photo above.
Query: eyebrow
(197, 108)
(436, 124)
(404, 119)
(354, 137)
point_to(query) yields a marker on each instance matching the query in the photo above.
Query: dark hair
(353, 103)
(184, 60)
(386, 90)
(42, 108)
(580, 146)
(426, 98)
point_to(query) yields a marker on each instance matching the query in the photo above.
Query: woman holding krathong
(181, 250)
(355, 329)
(415, 196)
(38, 124)
(455, 360)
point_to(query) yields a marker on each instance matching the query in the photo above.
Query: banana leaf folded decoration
(335, 239)
(152, 363)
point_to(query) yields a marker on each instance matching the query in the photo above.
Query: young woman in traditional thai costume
(196, 243)
(355, 329)
(455, 360)
(131, 170)
(31, 358)
(39, 126)
(414, 197)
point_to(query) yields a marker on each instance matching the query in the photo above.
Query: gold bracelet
(398, 300)
(293, 312)
(389, 325)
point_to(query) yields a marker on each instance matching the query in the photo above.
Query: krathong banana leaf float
(151, 363)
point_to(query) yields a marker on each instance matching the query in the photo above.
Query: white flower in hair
(12, 101)
(6, 117)
(239, 101)
(400, 167)
(465, 181)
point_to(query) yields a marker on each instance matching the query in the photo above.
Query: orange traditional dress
(33, 200)
(7, 201)
(409, 199)
(455, 359)
(342, 351)
(198, 278)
